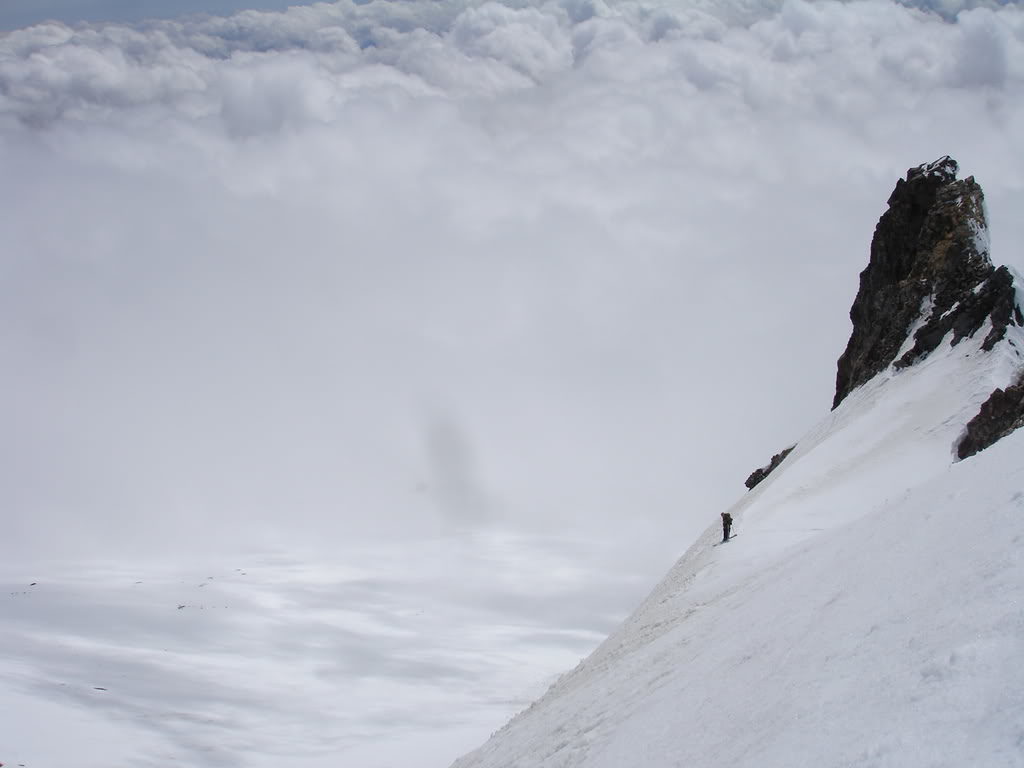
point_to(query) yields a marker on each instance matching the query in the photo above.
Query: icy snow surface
(870, 611)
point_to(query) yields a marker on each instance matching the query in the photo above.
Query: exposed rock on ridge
(1000, 415)
(929, 274)
(760, 474)
(929, 277)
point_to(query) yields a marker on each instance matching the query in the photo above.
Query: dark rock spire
(929, 274)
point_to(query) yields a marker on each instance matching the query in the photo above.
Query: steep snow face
(870, 611)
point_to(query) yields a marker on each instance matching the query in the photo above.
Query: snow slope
(870, 611)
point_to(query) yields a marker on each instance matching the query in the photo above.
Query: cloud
(200, 65)
(617, 241)
(527, 40)
(987, 51)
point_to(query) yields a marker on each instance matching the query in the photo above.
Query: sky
(387, 272)
(22, 13)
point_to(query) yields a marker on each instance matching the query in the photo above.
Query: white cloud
(988, 50)
(527, 40)
(248, 260)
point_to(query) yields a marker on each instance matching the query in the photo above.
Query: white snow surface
(869, 612)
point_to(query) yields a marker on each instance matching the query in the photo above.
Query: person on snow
(726, 525)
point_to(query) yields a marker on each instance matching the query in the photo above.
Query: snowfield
(870, 611)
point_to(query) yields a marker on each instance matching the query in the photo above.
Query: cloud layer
(400, 266)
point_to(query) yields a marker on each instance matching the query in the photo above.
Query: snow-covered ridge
(851, 622)
(863, 616)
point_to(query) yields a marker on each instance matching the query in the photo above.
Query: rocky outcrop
(930, 278)
(1000, 415)
(929, 275)
(760, 474)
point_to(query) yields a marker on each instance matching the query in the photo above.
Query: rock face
(1002, 413)
(760, 474)
(930, 277)
(929, 274)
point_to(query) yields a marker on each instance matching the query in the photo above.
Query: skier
(726, 525)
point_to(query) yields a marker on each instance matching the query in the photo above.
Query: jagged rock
(929, 268)
(760, 474)
(1000, 415)
(929, 278)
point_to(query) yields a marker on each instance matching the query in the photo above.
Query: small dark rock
(1000, 415)
(760, 474)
